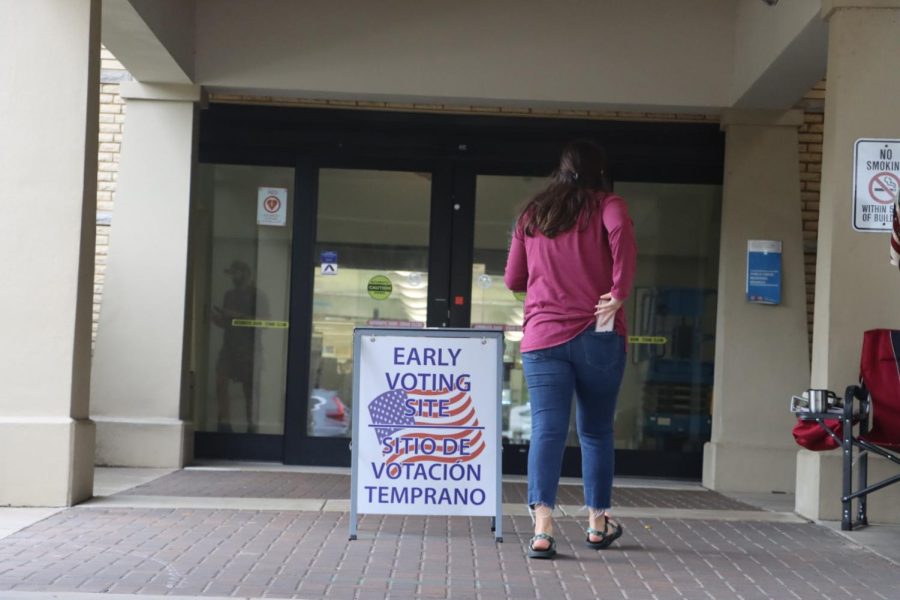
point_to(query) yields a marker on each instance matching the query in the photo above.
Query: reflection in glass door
(666, 396)
(240, 296)
(498, 200)
(376, 262)
(664, 404)
(371, 253)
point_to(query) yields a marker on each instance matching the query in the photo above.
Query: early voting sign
(426, 423)
(876, 183)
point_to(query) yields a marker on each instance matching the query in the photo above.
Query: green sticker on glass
(520, 296)
(380, 287)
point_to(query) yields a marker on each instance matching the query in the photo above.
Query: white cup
(820, 400)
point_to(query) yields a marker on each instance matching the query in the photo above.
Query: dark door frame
(454, 148)
(299, 447)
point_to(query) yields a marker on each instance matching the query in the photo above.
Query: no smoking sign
(883, 187)
(876, 183)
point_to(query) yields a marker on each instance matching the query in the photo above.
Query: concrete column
(856, 287)
(762, 354)
(138, 399)
(49, 73)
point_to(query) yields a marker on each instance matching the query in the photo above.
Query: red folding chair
(878, 397)
(875, 399)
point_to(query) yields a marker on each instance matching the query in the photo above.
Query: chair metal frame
(857, 396)
(859, 408)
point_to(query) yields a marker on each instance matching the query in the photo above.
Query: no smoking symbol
(883, 187)
(271, 204)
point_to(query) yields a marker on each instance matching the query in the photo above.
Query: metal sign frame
(374, 332)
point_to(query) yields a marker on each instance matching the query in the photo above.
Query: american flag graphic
(387, 412)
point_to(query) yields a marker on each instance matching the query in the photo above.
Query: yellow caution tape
(647, 339)
(259, 323)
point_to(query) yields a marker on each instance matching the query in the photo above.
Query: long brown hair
(571, 192)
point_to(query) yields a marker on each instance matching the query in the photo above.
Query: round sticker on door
(414, 279)
(379, 287)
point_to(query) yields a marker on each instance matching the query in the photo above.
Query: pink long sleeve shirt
(565, 276)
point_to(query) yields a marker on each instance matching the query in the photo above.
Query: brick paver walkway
(249, 552)
(307, 555)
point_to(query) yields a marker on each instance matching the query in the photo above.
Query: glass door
(401, 220)
(665, 405)
(241, 247)
(376, 253)
(663, 413)
(372, 246)
(498, 201)
(410, 246)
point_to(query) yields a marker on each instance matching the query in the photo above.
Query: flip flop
(606, 537)
(548, 553)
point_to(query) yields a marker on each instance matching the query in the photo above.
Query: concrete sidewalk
(235, 533)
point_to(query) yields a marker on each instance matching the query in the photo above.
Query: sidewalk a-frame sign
(427, 423)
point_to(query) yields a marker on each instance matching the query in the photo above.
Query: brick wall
(112, 119)
(810, 151)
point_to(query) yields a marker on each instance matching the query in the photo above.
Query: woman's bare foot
(543, 523)
(597, 521)
(603, 531)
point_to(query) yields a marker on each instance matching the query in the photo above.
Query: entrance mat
(274, 484)
(630, 497)
(246, 484)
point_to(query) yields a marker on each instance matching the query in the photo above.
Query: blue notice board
(764, 271)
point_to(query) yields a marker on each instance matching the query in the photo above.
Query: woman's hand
(607, 308)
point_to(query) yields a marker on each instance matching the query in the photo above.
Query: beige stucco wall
(657, 55)
(762, 33)
(138, 367)
(47, 190)
(653, 55)
(761, 351)
(858, 288)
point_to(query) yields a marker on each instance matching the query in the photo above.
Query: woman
(573, 252)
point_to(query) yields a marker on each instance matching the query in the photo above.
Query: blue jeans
(591, 366)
